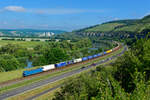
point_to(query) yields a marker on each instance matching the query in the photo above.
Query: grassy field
(48, 96)
(28, 44)
(121, 26)
(42, 77)
(104, 27)
(12, 74)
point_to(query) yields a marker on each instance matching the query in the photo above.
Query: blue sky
(67, 14)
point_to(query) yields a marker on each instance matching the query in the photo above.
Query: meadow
(26, 44)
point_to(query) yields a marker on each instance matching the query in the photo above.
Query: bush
(8, 62)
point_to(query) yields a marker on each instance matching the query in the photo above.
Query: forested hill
(119, 28)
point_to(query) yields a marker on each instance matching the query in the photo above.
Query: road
(51, 80)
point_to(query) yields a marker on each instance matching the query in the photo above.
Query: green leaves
(55, 55)
(8, 62)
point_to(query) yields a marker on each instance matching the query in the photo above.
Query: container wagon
(84, 58)
(32, 72)
(77, 60)
(109, 51)
(70, 62)
(90, 57)
(94, 56)
(62, 64)
(48, 67)
(99, 54)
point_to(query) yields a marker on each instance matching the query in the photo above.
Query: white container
(78, 60)
(74, 61)
(48, 67)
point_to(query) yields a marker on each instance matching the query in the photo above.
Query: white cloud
(58, 11)
(51, 11)
(64, 11)
(116, 18)
(15, 8)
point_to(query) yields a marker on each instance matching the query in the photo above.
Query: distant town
(28, 33)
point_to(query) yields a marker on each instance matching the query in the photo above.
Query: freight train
(63, 64)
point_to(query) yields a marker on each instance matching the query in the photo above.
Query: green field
(5, 76)
(27, 44)
(121, 27)
(104, 27)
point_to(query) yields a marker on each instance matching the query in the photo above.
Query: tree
(8, 62)
(52, 56)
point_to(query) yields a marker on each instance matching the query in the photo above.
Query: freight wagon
(70, 62)
(94, 56)
(62, 64)
(109, 51)
(105, 53)
(32, 72)
(90, 57)
(77, 60)
(84, 58)
(99, 54)
(48, 67)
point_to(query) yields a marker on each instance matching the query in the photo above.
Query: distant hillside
(119, 28)
(29, 32)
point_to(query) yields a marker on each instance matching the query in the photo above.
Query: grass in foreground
(48, 96)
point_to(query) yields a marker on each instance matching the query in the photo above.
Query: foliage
(8, 62)
(54, 55)
(136, 58)
(100, 85)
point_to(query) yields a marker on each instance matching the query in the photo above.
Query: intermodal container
(48, 67)
(31, 72)
(77, 60)
(109, 51)
(84, 58)
(70, 62)
(94, 56)
(62, 64)
(90, 57)
(105, 53)
(99, 54)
